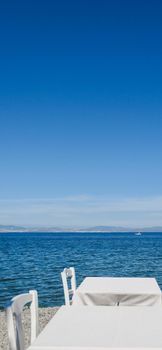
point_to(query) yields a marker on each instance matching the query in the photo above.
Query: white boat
(138, 233)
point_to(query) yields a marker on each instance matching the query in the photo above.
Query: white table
(118, 291)
(101, 327)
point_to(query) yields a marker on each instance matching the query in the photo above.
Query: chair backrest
(14, 321)
(68, 274)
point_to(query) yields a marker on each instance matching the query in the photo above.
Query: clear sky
(81, 112)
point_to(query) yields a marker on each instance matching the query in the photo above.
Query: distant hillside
(12, 228)
(106, 229)
(4, 228)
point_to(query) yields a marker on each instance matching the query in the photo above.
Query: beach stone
(45, 314)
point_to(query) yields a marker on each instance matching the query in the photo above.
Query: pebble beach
(45, 314)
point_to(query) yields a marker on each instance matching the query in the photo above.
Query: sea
(35, 260)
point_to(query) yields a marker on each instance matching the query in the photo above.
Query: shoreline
(78, 231)
(45, 314)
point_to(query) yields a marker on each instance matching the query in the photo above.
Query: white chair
(68, 274)
(14, 321)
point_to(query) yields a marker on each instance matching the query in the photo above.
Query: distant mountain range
(12, 228)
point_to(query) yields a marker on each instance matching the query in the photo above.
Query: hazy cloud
(82, 210)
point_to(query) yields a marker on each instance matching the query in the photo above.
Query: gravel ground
(45, 314)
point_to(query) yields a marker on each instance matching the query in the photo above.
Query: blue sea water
(35, 260)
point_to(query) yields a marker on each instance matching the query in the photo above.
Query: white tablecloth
(118, 291)
(101, 327)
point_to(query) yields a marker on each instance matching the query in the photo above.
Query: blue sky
(81, 113)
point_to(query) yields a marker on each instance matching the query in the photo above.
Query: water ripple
(35, 260)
